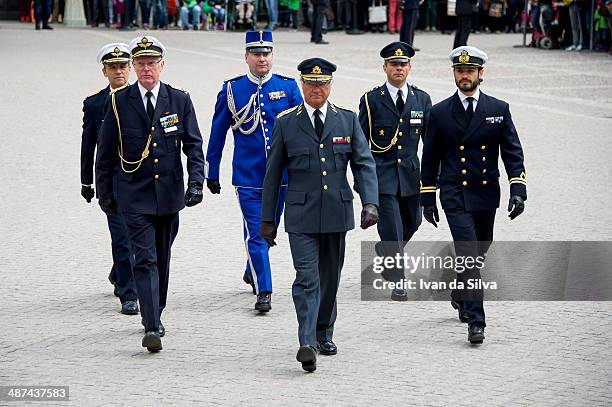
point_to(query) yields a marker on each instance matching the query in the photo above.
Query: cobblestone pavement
(62, 325)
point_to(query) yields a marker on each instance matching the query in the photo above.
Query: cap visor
(259, 49)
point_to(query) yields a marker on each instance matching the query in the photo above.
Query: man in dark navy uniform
(145, 127)
(467, 132)
(115, 60)
(394, 117)
(248, 104)
(315, 142)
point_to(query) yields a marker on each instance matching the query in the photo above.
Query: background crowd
(567, 24)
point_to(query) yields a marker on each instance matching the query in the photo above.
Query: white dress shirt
(463, 97)
(143, 92)
(393, 92)
(311, 112)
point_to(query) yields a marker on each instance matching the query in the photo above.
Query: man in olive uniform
(115, 60)
(394, 117)
(467, 132)
(145, 127)
(316, 141)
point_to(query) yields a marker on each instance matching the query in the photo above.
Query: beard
(468, 86)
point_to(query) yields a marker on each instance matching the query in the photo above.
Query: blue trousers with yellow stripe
(258, 262)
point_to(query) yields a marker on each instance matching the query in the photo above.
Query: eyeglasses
(316, 84)
(143, 65)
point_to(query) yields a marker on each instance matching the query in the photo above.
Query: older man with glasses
(145, 127)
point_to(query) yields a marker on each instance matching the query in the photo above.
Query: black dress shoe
(327, 348)
(399, 294)
(129, 307)
(152, 341)
(308, 357)
(161, 330)
(463, 316)
(264, 302)
(322, 42)
(248, 280)
(47, 27)
(476, 333)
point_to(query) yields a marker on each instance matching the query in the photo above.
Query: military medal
(341, 140)
(169, 122)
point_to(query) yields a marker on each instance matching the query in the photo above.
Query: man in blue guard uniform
(145, 127)
(115, 59)
(394, 117)
(466, 134)
(249, 104)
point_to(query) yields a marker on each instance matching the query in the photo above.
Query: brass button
(399, 147)
(464, 171)
(483, 147)
(322, 159)
(154, 144)
(461, 148)
(464, 183)
(484, 158)
(324, 173)
(325, 187)
(401, 120)
(152, 128)
(321, 146)
(400, 134)
(484, 182)
(462, 159)
(156, 161)
(484, 170)
(399, 160)
(156, 176)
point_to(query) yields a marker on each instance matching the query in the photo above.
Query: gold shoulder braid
(372, 142)
(145, 152)
(177, 88)
(286, 112)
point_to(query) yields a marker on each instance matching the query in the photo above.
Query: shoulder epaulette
(234, 78)
(95, 93)
(285, 77)
(177, 88)
(119, 88)
(286, 112)
(333, 106)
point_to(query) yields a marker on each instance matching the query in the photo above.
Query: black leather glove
(108, 205)
(87, 192)
(267, 231)
(369, 216)
(194, 195)
(519, 206)
(430, 213)
(213, 186)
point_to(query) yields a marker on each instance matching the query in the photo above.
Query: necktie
(318, 124)
(470, 107)
(150, 108)
(399, 103)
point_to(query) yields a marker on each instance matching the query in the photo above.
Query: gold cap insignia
(317, 70)
(464, 58)
(116, 52)
(399, 52)
(261, 37)
(145, 43)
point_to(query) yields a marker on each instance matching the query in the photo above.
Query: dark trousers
(472, 235)
(318, 14)
(123, 258)
(152, 238)
(42, 10)
(145, 10)
(398, 219)
(318, 259)
(464, 26)
(96, 7)
(409, 25)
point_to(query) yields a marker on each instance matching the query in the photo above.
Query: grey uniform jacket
(319, 198)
